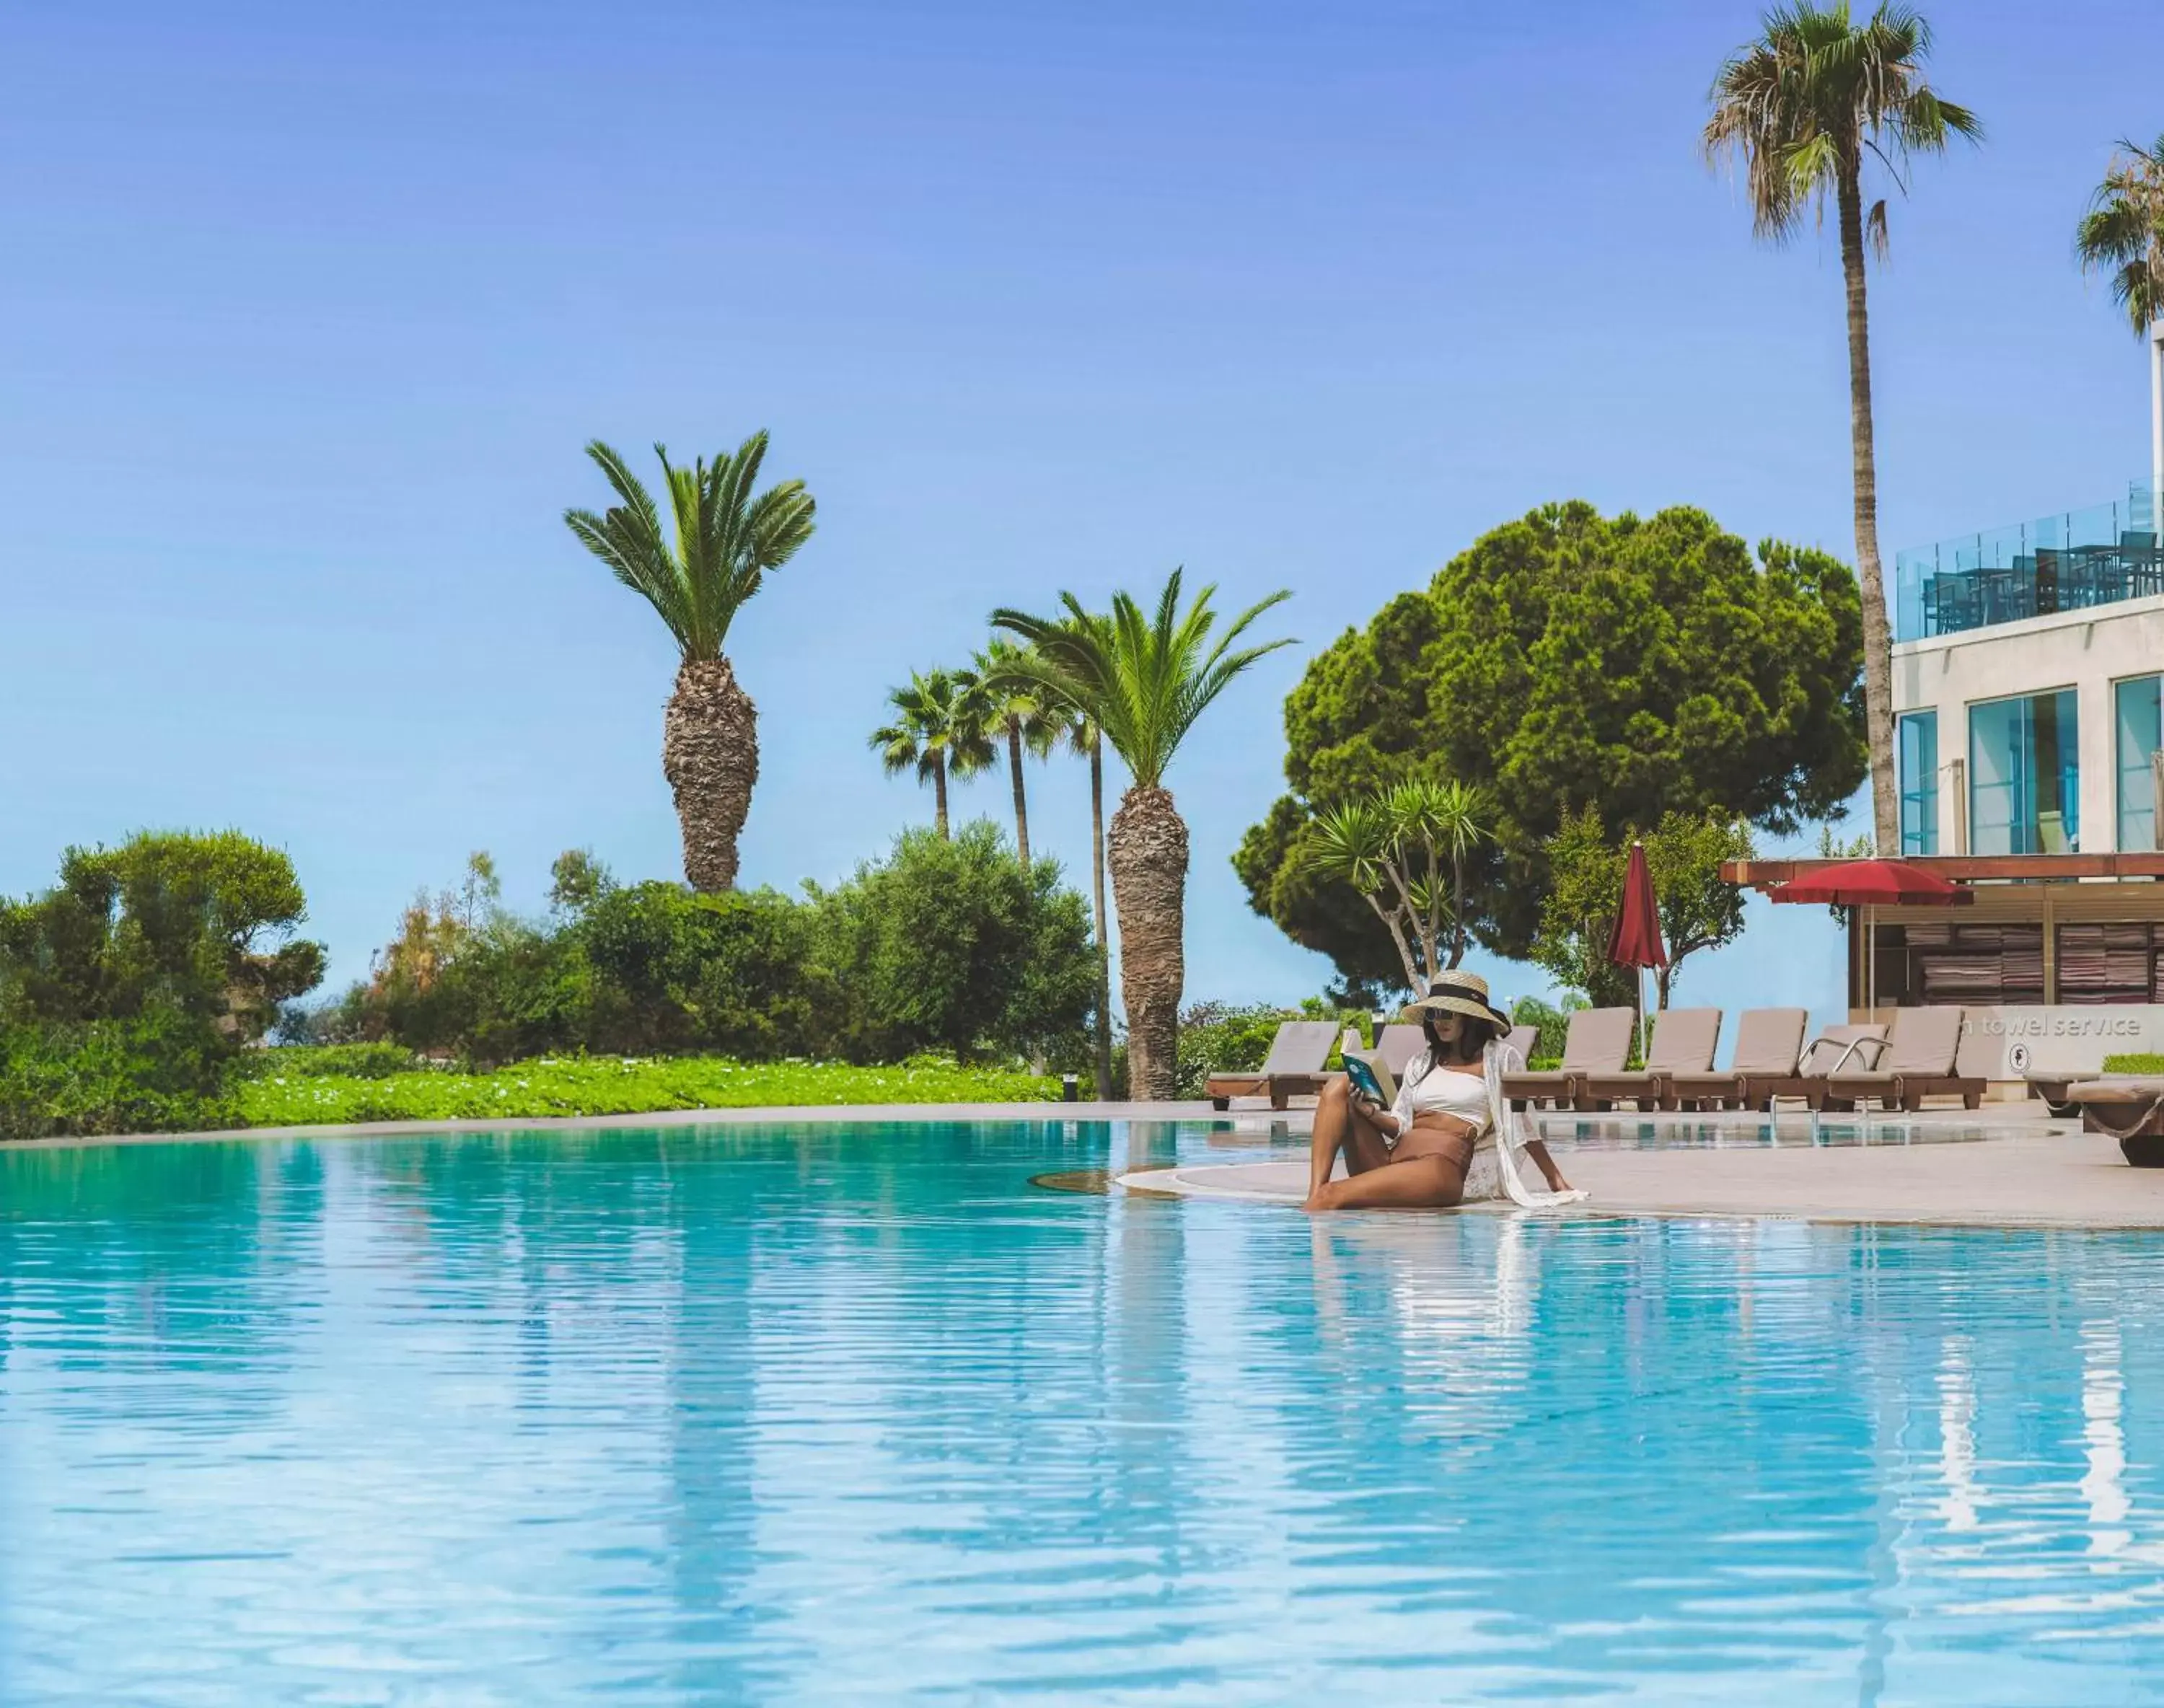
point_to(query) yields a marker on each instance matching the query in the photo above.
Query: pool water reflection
(857, 1414)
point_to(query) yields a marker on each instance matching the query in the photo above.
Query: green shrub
(608, 1086)
(353, 1061)
(160, 1072)
(948, 945)
(2134, 1064)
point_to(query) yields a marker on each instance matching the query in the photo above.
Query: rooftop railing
(2072, 561)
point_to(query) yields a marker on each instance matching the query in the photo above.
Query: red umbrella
(1636, 941)
(1872, 884)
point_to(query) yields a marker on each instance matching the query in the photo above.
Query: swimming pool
(852, 1414)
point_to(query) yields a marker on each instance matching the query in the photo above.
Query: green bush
(949, 945)
(2134, 1064)
(160, 1072)
(353, 1061)
(606, 1086)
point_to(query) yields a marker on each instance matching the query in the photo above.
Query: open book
(1371, 1076)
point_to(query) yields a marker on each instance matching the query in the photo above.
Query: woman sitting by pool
(1450, 1139)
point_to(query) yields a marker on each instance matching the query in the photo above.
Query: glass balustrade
(2074, 560)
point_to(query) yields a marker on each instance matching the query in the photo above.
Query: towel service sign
(2005, 1043)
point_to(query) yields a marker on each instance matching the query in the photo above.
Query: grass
(610, 1086)
(2151, 1064)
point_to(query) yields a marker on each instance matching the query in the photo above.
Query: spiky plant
(727, 538)
(1806, 107)
(1144, 680)
(2122, 233)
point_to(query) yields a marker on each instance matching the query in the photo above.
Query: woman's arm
(1539, 1153)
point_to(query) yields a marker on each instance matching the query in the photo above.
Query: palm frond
(727, 537)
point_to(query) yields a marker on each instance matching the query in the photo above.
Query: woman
(1450, 1139)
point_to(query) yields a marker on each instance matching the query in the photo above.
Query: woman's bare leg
(1338, 1126)
(1431, 1182)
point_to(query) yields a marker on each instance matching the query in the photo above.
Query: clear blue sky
(306, 311)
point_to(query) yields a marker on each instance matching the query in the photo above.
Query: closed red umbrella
(1872, 884)
(1636, 941)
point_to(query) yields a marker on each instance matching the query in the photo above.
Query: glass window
(2139, 736)
(1920, 782)
(2025, 775)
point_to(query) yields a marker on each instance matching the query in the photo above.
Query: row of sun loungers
(1845, 1067)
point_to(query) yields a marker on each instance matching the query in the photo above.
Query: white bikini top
(1428, 1089)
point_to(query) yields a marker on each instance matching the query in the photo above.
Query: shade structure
(1636, 941)
(1873, 883)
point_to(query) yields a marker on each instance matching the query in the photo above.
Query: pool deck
(2041, 1173)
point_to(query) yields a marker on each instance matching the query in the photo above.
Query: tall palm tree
(2124, 234)
(1805, 107)
(1143, 681)
(936, 733)
(1014, 707)
(729, 537)
(1081, 736)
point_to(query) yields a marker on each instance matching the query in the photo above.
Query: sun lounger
(1683, 1043)
(2130, 1110)
(1770, 1046)
(1524, 1040)
(1837, 1049)
(2054, 1089)
(1598, 1042)
(1293, 1068)
(1919, 1063)
(1398, 1045)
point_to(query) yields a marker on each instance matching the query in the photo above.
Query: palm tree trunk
(939, 794)
(1149, 886)
(1021, 806)
(710, 755)
(1104, 1064)
(1878, 635)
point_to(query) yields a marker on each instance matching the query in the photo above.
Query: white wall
(2086, 650)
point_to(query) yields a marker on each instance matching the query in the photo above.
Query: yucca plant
(1144, 680)
(1807, 107)
(728, 537)
(1403, 850)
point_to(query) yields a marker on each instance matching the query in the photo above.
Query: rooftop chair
(1769, 1043)
(1294, 1068)
(1835, 1049)
(1598, 1042)
(1683, 1043)
(1919, 1063)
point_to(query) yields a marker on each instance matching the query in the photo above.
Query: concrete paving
(2034, 1173)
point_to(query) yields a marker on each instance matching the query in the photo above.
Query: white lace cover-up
(1499, 1169)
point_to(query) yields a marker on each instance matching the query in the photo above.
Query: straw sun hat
(1461, 993)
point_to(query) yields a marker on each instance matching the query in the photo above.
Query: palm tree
(1081, 736)
(935, 732)
(1803, 106)
(2124, 234)
(1014, 706)
(1143, 681)
(728, 537)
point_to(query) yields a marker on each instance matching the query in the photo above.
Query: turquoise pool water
(859, 1415)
